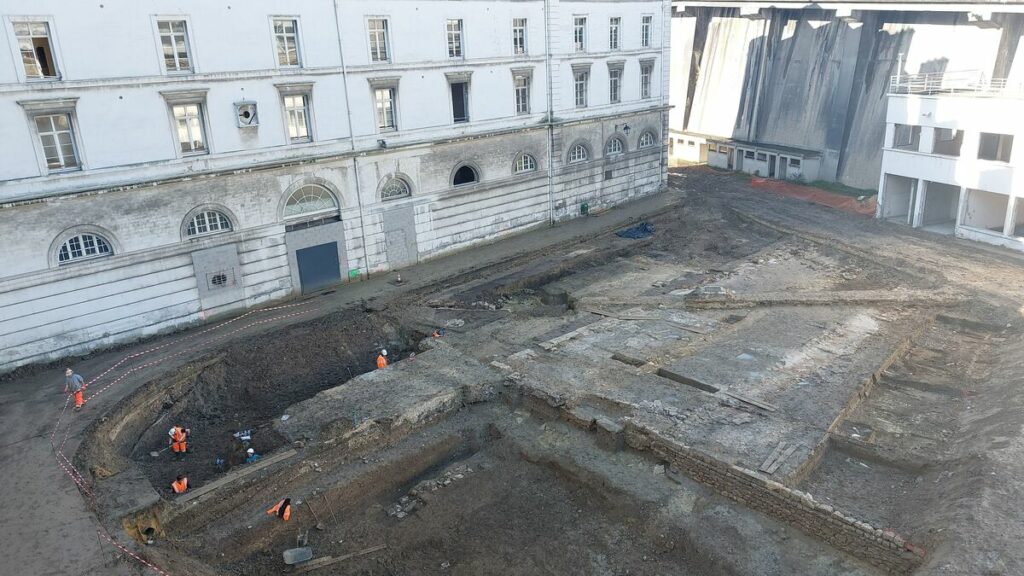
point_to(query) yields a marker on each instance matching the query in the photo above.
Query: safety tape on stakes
(189, 337)
(190, 348)
(58, 454)
(138, 558)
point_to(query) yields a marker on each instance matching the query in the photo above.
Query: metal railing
(964, 83)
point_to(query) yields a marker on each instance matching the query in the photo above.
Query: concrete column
(1011, 205)
(961, 207)
(917, 210)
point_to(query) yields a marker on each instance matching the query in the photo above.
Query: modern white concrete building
(162, 165)
(949, 158)
(809, 80)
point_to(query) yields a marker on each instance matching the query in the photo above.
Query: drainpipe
(551, 113)
(351, 140)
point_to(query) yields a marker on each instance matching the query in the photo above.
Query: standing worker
(282, 509)
(75, 384)
(382, 359)
(180, 484)
(178, 440)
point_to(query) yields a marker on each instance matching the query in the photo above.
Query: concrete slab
(402, 396)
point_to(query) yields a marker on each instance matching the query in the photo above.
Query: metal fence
(966, 83)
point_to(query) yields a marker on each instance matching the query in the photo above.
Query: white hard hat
(384, 352)
(170, 432)
(250, 451)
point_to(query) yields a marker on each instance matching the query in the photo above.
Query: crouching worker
(382, 360)
(178, 439)
(282, 509)
(251, 456)
(180, 484)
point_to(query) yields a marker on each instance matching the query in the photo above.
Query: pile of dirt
(252, 382)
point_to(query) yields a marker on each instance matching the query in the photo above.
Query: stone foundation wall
(884, 549)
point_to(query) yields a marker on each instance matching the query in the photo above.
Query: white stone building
(949, 157)
(160, 166)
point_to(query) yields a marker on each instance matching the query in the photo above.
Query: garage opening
(897, 198)
(985, 210)
(940, 206)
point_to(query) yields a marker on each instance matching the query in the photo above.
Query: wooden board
(327, 560)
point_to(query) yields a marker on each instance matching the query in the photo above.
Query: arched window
(83, 247)
(646, 139)
(578, 154)
(464, 175)
(395, 188)
(207, 222)
(614, 147)
(310, 200)
(525, 163)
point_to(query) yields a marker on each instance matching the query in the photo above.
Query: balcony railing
(965, 83)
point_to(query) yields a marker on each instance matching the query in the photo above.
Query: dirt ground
(932, 449)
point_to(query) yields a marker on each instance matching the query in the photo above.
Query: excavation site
(707, 390)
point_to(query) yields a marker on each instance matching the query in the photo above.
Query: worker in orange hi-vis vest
(180, 484)
(178, 440)
(382, 359)
(282, 509)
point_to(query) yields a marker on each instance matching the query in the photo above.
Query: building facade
(809, 81)
(216, 157)
(949, 157)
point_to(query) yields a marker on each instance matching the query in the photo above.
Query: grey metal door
(318, 266)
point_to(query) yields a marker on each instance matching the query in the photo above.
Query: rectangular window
(174, 43)
(748, 154)
(762, 157)
(36, 50)
(645, 80)
(460, 101)
(613, 33)
(906, 137)
(582, 85)
(385, 101)
(947, 141)
(188, 121)
(614, 85)
(794, 162)
(286, 40)
(378, 30)
(522, 90)
(296, 108)
(579, 33)
(645, 31)
(58, 140)
(519, 36)
(455, 38)
(995, 147)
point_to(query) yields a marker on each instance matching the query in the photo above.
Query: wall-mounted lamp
(382, 143)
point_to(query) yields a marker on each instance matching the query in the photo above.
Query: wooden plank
(235, 475)
(327, 560)
(782, 458)
(752, 402)
(771, 457)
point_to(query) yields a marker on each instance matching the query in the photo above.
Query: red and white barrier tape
(138, 558)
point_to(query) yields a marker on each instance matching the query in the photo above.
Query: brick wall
(884, 549)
